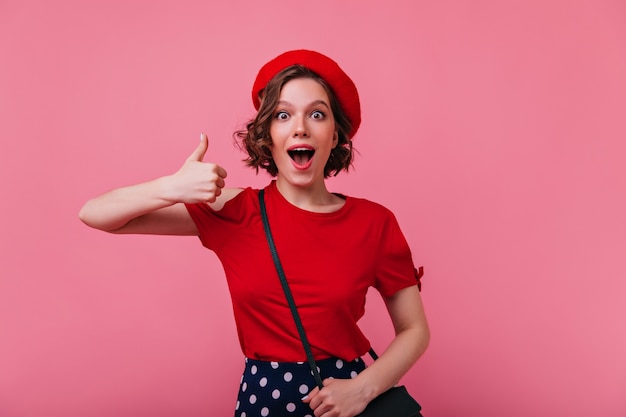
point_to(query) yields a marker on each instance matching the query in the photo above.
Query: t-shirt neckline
(275, 194)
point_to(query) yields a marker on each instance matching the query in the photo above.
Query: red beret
(342, 86)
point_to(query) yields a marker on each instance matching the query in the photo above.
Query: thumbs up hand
(196, 181)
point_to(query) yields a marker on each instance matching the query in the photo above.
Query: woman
(332, 247)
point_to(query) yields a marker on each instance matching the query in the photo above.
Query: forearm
(114, 209)
(401, 354)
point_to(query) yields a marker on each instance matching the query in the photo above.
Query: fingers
(221, 172)
(200, 151)
(307, 398)
(336, 398)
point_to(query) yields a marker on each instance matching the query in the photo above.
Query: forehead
(303, 90)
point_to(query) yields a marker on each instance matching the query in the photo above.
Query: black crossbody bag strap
(288, 295)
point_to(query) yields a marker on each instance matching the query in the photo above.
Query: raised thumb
(198, 154)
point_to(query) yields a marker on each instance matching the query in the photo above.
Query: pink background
(494, 130)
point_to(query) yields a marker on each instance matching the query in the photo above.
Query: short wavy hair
(255, 139)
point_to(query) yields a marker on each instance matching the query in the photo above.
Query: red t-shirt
(330, 260)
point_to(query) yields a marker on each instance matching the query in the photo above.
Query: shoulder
(235, 198)
(227, 195)
(379, 219)
(369, 207)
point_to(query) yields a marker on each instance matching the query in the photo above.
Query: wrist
(166, 189)
(369, 387)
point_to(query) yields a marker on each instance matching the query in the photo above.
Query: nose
(300, 129)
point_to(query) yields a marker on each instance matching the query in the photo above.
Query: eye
(318, 115)
(281, 115)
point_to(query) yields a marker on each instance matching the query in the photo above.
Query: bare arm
(154, 207)
(411, 340)
(351, 396)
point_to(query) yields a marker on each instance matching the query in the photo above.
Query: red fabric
(329, 70)
(330, 260)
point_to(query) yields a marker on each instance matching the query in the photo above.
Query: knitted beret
(343, 87)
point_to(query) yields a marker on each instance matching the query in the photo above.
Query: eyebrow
(312, 104)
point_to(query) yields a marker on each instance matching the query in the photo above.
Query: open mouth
(301, 156)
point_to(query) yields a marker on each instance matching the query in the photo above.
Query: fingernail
(201, 136)
(304, 398)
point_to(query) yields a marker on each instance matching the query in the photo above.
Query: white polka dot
(274, 365)
(243, 414)
(253, 370)
(304, 389)
(353, 374)
(252, 399)
(339, 364)
(263, 382)
(244, 387)
(237, 406)
(265, 411)
(275, 394)
(291, 407)
(288, 376)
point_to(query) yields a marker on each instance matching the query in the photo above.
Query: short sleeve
(215, 228)
(395, 269)
(201, 215)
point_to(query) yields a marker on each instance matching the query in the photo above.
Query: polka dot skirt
(276, 388)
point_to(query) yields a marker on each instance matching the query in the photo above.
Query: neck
(314, 197)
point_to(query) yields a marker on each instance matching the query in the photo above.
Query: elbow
(425, 338)
(90, 217)
(422, 340)
(85, 216)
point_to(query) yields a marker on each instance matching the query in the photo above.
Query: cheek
(274, 151)
(277, 131)
(272, 131)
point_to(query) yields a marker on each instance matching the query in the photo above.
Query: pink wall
(495, 130)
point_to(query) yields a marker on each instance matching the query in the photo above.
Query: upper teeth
(300, 149)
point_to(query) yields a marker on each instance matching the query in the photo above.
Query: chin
(301, 179)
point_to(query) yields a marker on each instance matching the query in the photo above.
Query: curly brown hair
(255, 139)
